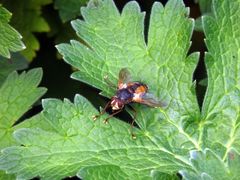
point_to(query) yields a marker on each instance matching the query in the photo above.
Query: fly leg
(111, 115)
(102, 112)
(134, 117)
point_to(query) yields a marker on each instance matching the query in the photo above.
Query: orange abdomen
(137, 87)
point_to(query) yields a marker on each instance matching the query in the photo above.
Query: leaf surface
(208, 165)
(205, 6)
(201, 146)
(10, 39)
(17, 94)
(114, 41)
(69, 9)
(81, 143)
(219, 132)
(161, 63)
(27, 20)
(17, 62)
(220, 113)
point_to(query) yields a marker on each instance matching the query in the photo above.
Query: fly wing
(124, 77)
(150, 100)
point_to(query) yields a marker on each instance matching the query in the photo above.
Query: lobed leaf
(17, 62)
(205, 6)
(17, 94)
(27, 20)
(79, 143)
(10, 39)
(69, 10)
(220, 114)
(219, 126)
(208, 165)
(116, 41)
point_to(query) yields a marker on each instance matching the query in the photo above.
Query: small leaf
(206, 9)
(27, 20)
(205, 6)
(10, 39)
(17, 62)
(69, 9)
(208, 165)
(203, 82)
(17, 94)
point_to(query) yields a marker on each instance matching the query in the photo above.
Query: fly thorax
(124, 95)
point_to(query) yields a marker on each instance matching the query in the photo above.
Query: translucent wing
(124, 77)
(150, 100)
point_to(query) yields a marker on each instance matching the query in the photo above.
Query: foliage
(17, 62)
(27, 20)
(219, 126)
(205, 8)
(69, 9)
(63, 140)
(10, 39)
(221, 104)
(17, 94)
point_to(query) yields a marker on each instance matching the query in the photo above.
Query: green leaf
(10, 39)
(113, 41)
(203, 82)
(220, 114)
(219, 127)
(161, 64)
(27, 20)
(69, 9)
(96, 172)
(17, 62)
(205, 6)
(233, 161)
(5, 176)
(198, 24)
(208, 165)
(81, 143)
(17, 94)
(61, 32)
(115, 172)
(177, 138)
(163, 176)
(206, 9)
